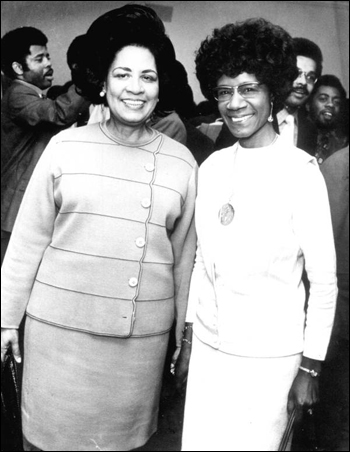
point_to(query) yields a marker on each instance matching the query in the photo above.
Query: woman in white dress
(262, 212)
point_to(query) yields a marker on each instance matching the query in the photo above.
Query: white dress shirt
(288, 126)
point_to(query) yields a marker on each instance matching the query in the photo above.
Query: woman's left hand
(303, 393)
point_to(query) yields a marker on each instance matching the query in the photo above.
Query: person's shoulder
(171, 125)
(338, 158)
(217, 165)
(293, 155)
(17, 89)
(337, 163)
(90, 132)
(171, 118)
(220, 157)
(175, 149)
(73, 141)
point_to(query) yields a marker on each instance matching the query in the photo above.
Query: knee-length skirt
(236, 403)
(86, 392)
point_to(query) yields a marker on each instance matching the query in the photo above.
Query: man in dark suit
(28, 118)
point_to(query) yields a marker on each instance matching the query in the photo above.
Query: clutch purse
(11, 425)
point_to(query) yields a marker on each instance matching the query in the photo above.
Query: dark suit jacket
(28, 121)
(307, 133)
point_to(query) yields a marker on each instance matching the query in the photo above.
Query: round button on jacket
(146, 203)
(140, 242)
(133, 282)
(149, 167)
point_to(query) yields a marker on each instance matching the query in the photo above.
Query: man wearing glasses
(292, 121)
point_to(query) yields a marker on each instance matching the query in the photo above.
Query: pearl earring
(102, 93)
(270, 118)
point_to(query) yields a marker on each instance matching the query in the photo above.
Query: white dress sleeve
(313, 228)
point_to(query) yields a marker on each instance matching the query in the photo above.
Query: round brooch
(226, 214)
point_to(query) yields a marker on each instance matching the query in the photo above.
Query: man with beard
(326, 107)
(292, 119)
(28, 118)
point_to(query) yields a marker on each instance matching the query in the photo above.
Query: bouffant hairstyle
(15, 46)
(256, 47)
(306, 48)
(329, 80)
(130, 25)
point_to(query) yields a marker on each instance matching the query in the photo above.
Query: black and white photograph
(175, 226)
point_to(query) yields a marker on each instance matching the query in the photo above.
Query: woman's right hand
(9, 337)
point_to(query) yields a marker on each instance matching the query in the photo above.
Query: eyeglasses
(310, 77)
(246, 90)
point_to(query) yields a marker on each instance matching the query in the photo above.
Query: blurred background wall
(188, 23)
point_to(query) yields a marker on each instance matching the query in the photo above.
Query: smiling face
(246, 118)
(132, 86)
(325, 106)
(302, 88)
(39, 70)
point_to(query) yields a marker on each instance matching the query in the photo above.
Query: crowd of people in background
(138, 228)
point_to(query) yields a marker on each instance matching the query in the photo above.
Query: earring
(270, 118)
(103, 93)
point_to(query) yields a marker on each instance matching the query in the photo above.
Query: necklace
(227, 211)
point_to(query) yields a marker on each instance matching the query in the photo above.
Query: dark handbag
(305, 435)
(288, 431)
(11, 425)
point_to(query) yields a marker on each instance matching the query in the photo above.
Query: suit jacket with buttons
(104, 241)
